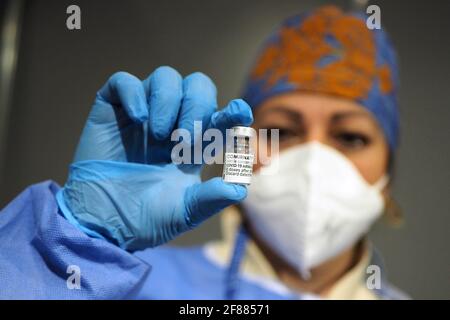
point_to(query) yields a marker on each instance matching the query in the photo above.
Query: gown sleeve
(43, 256)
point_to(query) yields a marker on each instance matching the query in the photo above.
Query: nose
(316, 134)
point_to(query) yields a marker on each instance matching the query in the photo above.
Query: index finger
(199, 101)
(164, 88)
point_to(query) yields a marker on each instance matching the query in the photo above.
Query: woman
(325, 81)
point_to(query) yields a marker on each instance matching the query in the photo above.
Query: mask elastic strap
(232, 277)
(381, 183)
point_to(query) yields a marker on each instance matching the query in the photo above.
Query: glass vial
(238, 162)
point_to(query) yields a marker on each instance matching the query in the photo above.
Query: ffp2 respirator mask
(311, 203)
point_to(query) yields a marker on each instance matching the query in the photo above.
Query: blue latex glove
(122, 185)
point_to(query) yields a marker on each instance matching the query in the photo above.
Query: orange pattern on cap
(299, 51)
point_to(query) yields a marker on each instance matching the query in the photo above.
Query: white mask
(314, 206)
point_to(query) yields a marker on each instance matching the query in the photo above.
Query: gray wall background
(59, 72)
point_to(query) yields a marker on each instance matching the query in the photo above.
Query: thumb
(205, 199)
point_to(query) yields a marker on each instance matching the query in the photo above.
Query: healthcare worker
(325, 81)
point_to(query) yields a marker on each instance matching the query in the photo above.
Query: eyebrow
(293, 115)
(348, 114)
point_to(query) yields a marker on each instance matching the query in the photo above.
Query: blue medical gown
(38, 248)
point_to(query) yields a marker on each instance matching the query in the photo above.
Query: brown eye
(284, 134)
(352, 140)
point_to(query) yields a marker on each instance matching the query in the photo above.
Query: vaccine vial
(239, 155)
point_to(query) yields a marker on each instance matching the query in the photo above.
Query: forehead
(310, 105)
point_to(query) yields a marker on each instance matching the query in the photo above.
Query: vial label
(238, 167)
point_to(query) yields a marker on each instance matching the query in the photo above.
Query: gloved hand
(122, 185)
